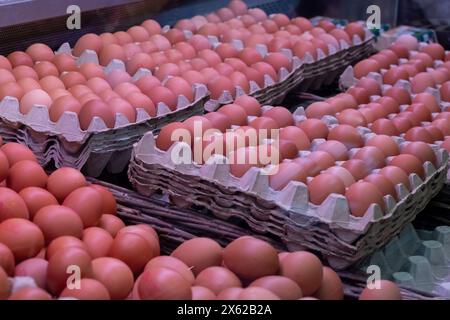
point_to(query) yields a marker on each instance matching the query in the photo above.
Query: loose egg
(7, 259)
(152, 285)
(331, 287)
(98, 241)
(173, 264)
(35, 268)
(87, 203)
(283, 287)
(36, 198)
(382, 290)
(64, 243)
(217, 279)
(23, 238)
(26, 173)
(111, 223)
(199, 254)
(90, 289)
(56, 221)
(304, 268)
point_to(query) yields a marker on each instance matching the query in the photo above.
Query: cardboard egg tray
(64, 143)
(416, 259)
(328, 228)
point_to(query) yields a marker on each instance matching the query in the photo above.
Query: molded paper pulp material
(417, 259)
(328, 228)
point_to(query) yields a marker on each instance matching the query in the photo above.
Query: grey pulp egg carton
(65, 144)
(416, 259)
(306, 74)
(328, 228)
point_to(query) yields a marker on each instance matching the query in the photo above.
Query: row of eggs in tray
(353, 154)
(63, 83)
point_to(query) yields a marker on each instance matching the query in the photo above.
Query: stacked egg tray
(98, 148)
(175, 225)
(348, 80)
(416, 259)
(329, 228)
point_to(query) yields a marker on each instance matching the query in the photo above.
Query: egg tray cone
(329, 228)
(417, 259)
(175, 225)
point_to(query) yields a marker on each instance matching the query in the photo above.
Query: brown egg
(370, 85)
(56, 221)
(90, 289)
(357, 168)
(152, 26)
(26, 173)
(281, 115)
(91, 70)
(419, 134)
(11, 89)
(35, 268)
(331, 287)
(343, 174)
(65, 180)
(64, 62)
(164, 138)
(314, 129)
(346, 134)
(152, 285)
(36, 198)
(218, 120)
(295, 135)
(396, 175)
(133, 249)
(301, 48)
(220, 84)
(173, 264)
(64, 243)
(110, 52)
(385, 127)
(319, 109)
(89, 41)
(34, 97)
(63, 104)
(21, 72)
(29, 84)
(115, 275)
(443, 125)
(444, 90)
(51, 83)
(6, 260)
(351, 117)
(18, 58)
(139, 100)
(362, 68)
(335, 148)
(5, 285)
(163, 94)
(322, 186)
(304, 268)
(283, 287)
(13, 205)
(96, 108)
(30, 293)
(23, 238)
(72, 78)
(217, 279)
(202, 293)
(361, 95)
(147, 82)
(16, 152)
(265, 69)
(361, 195)
(421, 150)
(287, 171)
(382, 290)
(383, 184)
(122, 106)
(408, 163)
(385, 143)
(45, 68)
(4, 63)
(199, 254)
(179, 86)
(395, 74)
(421, 81)
(98, 242)
(111, 223)
(87, 203)
(338, 103)
(235, 113)
(108, 200)
(229, 294)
